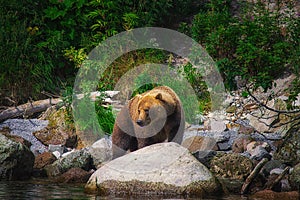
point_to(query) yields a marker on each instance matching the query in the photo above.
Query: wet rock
(60, 130)
(79, 158)
(24, 128)
(101, 151)
(231, 186)
(43, 160)
(159, 169)
(16, 160)
(199, 143)
(231, 165)
(271, 195)
(289, 151)
(74, 175)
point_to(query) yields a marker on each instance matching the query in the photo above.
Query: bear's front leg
(121, 142)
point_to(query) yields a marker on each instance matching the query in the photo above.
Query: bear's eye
(146, 111)
(139, 111)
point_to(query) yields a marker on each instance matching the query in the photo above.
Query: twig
(253, 175)
(272, 109)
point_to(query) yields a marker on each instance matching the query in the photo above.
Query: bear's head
(153, 107)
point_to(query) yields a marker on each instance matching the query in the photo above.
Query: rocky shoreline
(239, 155)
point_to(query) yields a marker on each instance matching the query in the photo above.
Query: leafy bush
(34, 36)
(257, 45)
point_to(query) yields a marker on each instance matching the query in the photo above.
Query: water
(39, 189)
(42, 189)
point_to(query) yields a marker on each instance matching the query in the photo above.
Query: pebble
(56, 154)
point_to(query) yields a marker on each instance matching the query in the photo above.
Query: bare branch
(272, 109)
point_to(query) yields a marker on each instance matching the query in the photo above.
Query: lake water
(32, 190)
(41, 189)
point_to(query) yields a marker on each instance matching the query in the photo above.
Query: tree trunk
(28, 109)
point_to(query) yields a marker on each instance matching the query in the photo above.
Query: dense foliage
(257, 44)
(44, 41)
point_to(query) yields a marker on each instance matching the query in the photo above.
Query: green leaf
(54, 13)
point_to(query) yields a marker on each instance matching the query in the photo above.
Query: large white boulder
(159, 169)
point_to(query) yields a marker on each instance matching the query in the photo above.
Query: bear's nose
(140, 122)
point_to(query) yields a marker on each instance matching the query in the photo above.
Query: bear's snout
(140, 122)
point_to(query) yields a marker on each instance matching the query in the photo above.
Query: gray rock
(218, 136)
(224, 139)
(205, 157)
(224, 146)
(76, 159)
(273, 136)
(16, 160)
(101, 151)
(60, 148)
(159, 169)
(259, 153)
(24, 128)
(199, 143)
(258, 137)
(231, 136)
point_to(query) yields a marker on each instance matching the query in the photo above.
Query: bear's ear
(158, 96)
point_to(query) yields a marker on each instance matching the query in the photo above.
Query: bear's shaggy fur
(152, 117)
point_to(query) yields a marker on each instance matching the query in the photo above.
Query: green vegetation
(45, 42)
(258, 44)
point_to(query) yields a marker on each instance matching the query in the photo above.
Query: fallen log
(29, 108)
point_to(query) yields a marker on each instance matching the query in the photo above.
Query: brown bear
(152, 117)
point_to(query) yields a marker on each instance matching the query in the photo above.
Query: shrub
(257, 45)
(34, 36)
